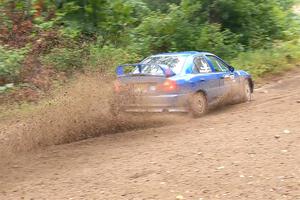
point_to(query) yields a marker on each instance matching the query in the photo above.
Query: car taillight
(168, 86)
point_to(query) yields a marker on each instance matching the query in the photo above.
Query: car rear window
(152, 64)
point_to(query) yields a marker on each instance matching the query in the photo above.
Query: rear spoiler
(120, 71)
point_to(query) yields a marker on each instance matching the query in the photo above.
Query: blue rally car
(189, 82)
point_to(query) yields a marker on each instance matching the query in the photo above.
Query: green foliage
(256, 22)
(110, 19)
(224, 43)
(104, 58)
(175, 32)
(161, 5)
(173, 25)
(287, 4)
(6, 87)
(157, 32)
(43, 24)
(264, 61)
(64, 59)
(5, 21)
(120, 31)
(10, 63)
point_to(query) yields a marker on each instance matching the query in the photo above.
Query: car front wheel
(246, 92)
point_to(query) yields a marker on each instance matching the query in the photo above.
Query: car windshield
(152, 64)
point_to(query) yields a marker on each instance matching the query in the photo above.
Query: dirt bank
(246, 151)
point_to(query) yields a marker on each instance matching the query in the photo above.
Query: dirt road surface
(246, 151)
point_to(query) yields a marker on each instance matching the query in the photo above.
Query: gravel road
(246, 151)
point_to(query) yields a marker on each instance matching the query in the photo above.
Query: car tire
(198, 104)
(246, 92)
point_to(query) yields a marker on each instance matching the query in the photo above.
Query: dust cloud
(77, 112)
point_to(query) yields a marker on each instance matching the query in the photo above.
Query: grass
(280, 58)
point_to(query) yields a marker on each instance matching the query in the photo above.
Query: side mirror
(231, 69)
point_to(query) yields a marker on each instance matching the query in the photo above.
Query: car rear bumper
(155, 109)
(171, 103)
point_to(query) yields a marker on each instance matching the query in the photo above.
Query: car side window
(218, 65)
(201, 65)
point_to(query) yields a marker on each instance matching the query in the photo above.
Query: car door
(203, 79)
(233, 80)
(227, 80)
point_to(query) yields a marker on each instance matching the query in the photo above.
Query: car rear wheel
(246, 92)
(198, 104)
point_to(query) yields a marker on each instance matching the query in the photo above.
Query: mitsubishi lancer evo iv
(183, 82)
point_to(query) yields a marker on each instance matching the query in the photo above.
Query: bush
(107, 58)
(6, 87)
(176, 32)
(10, 64)
(274, 60)
(64, 59)
(221, 42)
